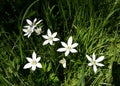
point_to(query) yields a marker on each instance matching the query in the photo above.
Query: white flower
(33, 62)
(50, 37)
(28, 32)
(29, 29)
(69, 47)
(38, 31)
(95, 62)
(34, 23)
(63, 62)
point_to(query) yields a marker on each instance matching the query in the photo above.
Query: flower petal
(88, 57)
(28, 65)
(38, 59)
(25, 30)
(90, 64)
(35, 20)
(54, 34)
(67, 52)
(45, 42)
(95, 68)
(34, 55)
(29, 21)
(99, 64)
(100, 59)
(61, 49)
(64, 44)
(33, 67)
(49, 32)
(45, 36)
(27, 26)
(29, 34)
(64, 65)
(74, 45)
(73, 50)
(55, 39)
(39, 22)
(70, 41)
(39, 65)
(93, 56)
(51, 42)
(29, 59)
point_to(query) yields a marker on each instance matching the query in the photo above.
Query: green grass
(94, 25)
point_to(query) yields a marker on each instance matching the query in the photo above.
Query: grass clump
(94, 25)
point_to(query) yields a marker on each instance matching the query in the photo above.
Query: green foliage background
(94, 25)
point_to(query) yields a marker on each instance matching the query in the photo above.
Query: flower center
(68, 47)
(34, 62)
(50, 38)
(94, 62)
(29, 30)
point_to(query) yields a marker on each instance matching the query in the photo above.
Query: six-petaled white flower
(63, 62)
(95, 62)
(50, 37)
(69, 47)
(33, 62)
(29, 29)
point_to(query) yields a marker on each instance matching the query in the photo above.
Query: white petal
(61, 49)
(64, 65)
(51, 42)
(93, 56)
(38, 59)
(74, 45)
(34, 56)
(88, 57)
(90, 64)
(35, 20)
(67, 52)
(27, 26)
(29, 21)
(73, 50)
(100, 59)
(64, 44)
(45, 36)
(33, 67)
(39, 65)
(49, 32)
(38, 22)
(29, 59)
(54, 34)
(95, 68)
(70, 41)
(55, 39)
(25, 34)
(29, 34)
(45, 42)
(28, 65)
(99, 64)
(25, 30)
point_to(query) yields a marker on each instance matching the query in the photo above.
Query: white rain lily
(38, 31)
(50, 37)
(63, 62)
(33, 62)
(95, 62)
(29, 29)
(69, 47)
